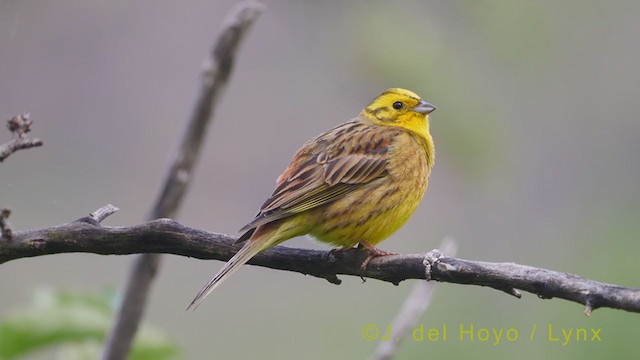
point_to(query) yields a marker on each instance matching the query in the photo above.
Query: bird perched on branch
(357, 183)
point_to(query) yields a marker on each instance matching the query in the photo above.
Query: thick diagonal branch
(167, 236)
(215, 74)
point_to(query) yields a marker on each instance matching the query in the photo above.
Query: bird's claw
(373, 253)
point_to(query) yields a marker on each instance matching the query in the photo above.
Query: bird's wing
(326, 168)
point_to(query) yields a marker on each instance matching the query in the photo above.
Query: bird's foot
(374, 252)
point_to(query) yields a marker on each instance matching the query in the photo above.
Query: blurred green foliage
(75, 324)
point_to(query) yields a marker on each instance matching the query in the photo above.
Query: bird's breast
(375, 211)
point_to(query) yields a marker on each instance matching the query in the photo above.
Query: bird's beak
(424, 107)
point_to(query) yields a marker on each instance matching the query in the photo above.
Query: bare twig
(19, 126)
(5, 229)
(412, 309)
(215, 75)
(103, 212)
(170, 237)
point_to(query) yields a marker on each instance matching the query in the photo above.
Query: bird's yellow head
(400, 107)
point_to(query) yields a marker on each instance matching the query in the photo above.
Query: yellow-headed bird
(357, 183)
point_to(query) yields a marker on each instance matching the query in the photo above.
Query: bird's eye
(397, 105)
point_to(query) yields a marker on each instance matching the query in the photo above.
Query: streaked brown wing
(326, 168)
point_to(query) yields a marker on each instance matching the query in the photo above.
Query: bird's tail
(249, 250)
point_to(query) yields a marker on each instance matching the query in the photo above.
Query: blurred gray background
(536, 138)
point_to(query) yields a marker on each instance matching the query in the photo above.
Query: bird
(355, 184)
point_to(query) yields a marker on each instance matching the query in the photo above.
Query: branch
(19, 126)
(170, 237)
(6, 234)
(215, 75)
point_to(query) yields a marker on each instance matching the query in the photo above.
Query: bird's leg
(374, 252)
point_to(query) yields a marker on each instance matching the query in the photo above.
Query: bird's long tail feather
(249, 250)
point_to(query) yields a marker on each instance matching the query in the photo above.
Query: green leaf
(74, 322)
